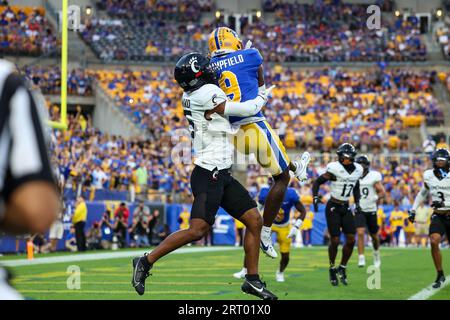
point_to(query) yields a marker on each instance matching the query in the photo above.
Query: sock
(252, 277)
(361, 255)
(244, 270)
(441, 273)
(266, 229)
(145, 262)
(332, 265)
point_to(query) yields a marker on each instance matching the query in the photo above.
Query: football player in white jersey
(436, 182)
(371, 190)
(344, 176)
(207, 109)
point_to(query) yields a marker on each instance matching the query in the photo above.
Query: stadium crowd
(48, 79)
(315, 109)
(24, 30)
(189, 10)
(324, 31)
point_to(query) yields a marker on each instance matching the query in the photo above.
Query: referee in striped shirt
(28, 194)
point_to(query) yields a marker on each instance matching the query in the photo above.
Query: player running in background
(241, 77)
(282, 227)
(371, 191)
(436, 182)
(211, 181)
(344, 178)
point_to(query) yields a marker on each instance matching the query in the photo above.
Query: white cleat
(268, 249)
(302, 165)
(376, 259)
(279, 276)
(241, 274)
(361, 261)
(266, 243)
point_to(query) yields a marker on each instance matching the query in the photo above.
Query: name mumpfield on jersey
(229, 62)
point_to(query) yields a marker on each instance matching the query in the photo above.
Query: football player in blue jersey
(241, 77)
(282, 227)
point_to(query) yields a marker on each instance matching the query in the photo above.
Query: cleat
(342, 275)
(333, 277)
(361, 261)
(241, 274)
(302, 165)
(269, 250)
(376, 259)
(266, 245)
(140, 273)
(440, 280)
(257, 288)
(279, 276)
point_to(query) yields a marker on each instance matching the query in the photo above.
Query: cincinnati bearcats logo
(194, 64)
(215, 175)
(214, 100)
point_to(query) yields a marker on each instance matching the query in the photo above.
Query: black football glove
(437, 204)
(411, 215)
(316, 203)
(358, 209)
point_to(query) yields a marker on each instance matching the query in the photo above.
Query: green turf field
(208, 275)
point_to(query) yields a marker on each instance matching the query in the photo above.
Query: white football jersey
(212, 147)
(369, 197)
(439, 189)
(342, 188)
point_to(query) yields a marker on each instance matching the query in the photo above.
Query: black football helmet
(441, 154)
(194, 70)
(346, 150)
(364, 161)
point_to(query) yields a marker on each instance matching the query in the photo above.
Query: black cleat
(140, 273)
(257, 288)
(439, 281)
(333, 277)
(342, 275)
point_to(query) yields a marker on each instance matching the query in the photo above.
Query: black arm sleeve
(316, 185)
(357, 193)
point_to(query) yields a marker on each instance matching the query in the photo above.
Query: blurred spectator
(422, 224)
(429, 145)
(153, 222)
(106, 226)
(121, 223)
(140, 226)
(79, 222)
(94, 237)
(70, 241)
(56, 231)
(306, 228)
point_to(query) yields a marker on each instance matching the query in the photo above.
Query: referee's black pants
(80, 235)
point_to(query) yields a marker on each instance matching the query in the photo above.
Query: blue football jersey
(290, 199)
(238, 78)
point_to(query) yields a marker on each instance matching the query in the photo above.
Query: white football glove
(298, 223)
(248, 45)
(265, 95)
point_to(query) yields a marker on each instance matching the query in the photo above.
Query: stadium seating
(302, 33)
(24, 30)
(48, 79)
(312, 109)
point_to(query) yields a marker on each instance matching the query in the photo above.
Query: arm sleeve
(420, 198)
(28, 158)
(316, 185)
(357, 193)
(244, 109)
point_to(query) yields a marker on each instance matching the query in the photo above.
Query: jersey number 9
(228, 82)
